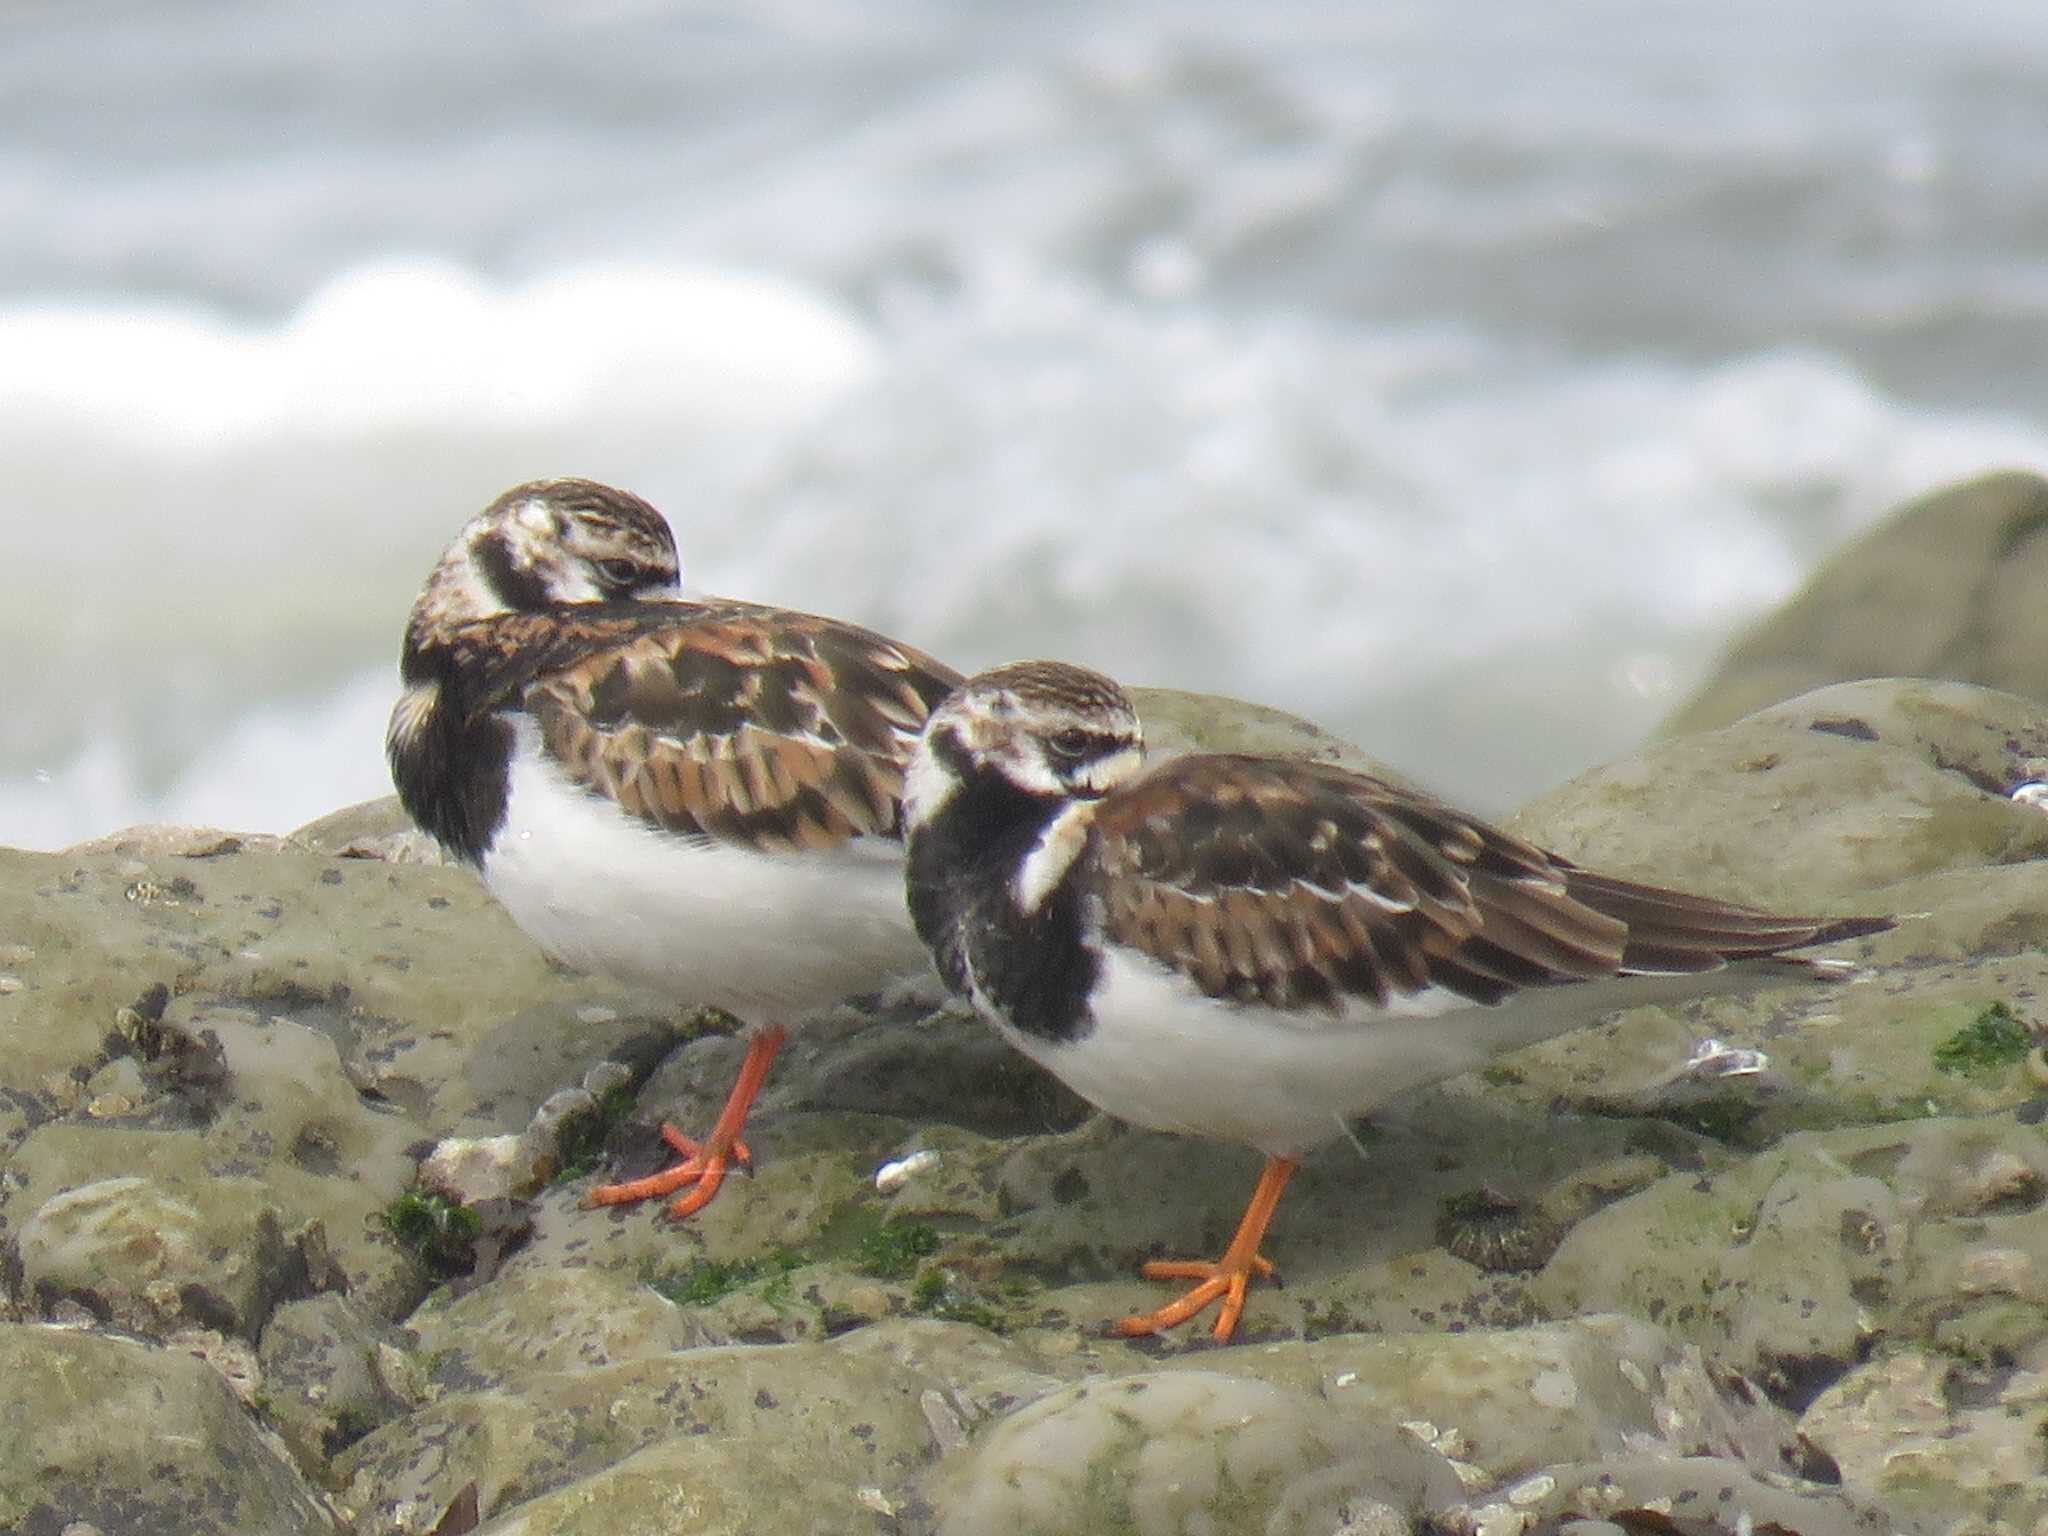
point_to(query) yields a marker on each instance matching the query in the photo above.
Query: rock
(1178, 722)
(251, 1031)
(222, 1065)
(126, 1437)
(332, 1372)
(539, 1321)
(781, 1436)
(1923, 1429)
(1868, 796)
(1793, 1265)
(1947, 587)
(1166, 1452)
(375, 829)
(211, 1192)
(161, 840)
(159, 1253)
(474, 1169)
(1697, 1496)
(1813, 804)
(700, 1485)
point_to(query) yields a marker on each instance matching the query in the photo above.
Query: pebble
(1713, 1058)
(471, 1168)
(1996, 1272)
(1498, 1520)
(876, 1500)
(1373, 1519)
(1996, 1179)
(893, 1176)
(605, 1076)
(949, 1431)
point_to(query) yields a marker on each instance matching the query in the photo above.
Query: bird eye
(1071, 744)
(619, 574)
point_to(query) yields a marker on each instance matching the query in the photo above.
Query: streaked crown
(1049, 728)
(545, 543)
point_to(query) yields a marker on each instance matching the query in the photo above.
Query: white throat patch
(926, 787)
(1047, 864)
(1106, 773)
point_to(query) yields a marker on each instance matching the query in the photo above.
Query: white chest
(1164, 1056)
(761, 934)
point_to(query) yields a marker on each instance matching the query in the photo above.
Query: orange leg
(1229, 1275)
(705, 1163)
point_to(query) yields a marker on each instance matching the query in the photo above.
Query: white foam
(274, 766)
(418, 344)
(1491, 567)
(1420, 537)
(222, 518)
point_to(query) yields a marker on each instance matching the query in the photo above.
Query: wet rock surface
(1603, 1283)
(117, 1434)
(1947, 586)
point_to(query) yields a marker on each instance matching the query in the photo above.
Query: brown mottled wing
(773, 729)
(1675, 932)
(1299, 885)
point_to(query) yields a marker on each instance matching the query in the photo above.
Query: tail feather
(1677, 933)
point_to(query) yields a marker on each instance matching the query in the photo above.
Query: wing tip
(1834, 930)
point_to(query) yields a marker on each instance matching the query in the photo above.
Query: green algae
(1996, 1038)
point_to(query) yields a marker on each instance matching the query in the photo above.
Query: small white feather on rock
(893, 1176)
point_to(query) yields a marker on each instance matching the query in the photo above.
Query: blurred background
(1460, 373)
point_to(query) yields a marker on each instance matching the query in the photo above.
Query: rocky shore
(1605, 1286)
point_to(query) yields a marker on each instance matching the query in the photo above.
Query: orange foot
(1229, 1276)
(705, 1164)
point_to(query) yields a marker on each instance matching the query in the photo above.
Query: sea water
(1462, 375)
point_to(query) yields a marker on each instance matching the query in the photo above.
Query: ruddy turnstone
(1253, 949)
(698, 796)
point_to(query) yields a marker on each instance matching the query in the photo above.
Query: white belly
(1166, 1057)
(762, 935)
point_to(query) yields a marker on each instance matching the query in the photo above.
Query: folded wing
(1299, 885)
(776, 730)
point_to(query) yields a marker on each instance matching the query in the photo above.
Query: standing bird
(701, 797)
(1253, 949)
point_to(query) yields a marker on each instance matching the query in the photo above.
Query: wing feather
(1301, 885)
(761, 726)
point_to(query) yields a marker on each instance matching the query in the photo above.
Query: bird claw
(1225, 1281)
(703, 1165)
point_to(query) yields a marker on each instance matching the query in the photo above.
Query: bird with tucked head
(703, 797)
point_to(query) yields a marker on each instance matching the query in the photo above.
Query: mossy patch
(709, 1280)
(1728, 1118)
(937, 1292)
(582, 1143)
(1995, 1038)
(891, 1250)
(438, 1232)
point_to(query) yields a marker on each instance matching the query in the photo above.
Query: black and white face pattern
(1044, 729)
(550, 542)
